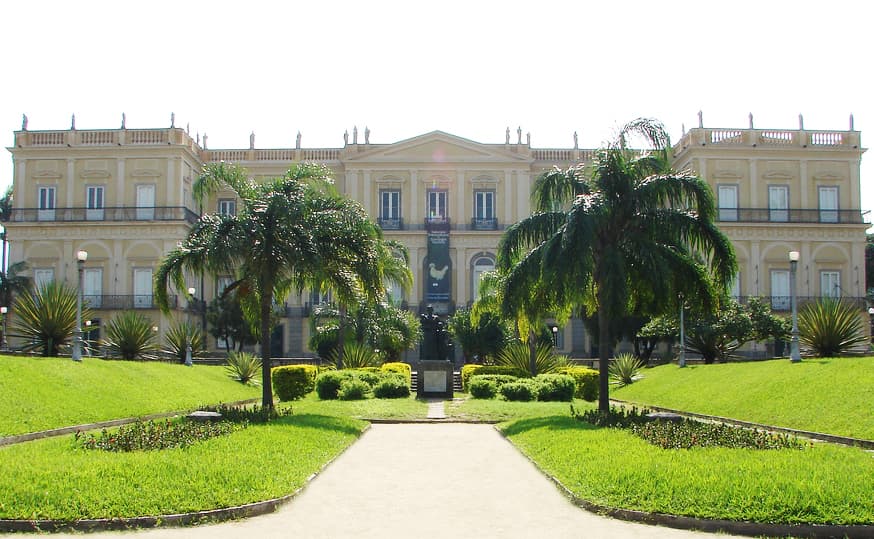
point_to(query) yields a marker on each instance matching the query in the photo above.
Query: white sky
(471, 68)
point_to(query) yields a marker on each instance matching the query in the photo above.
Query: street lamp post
(682, 358)
(4, 311)
(81, 257)
(871, 323)
(794, 350)
(188, 350)
(555, 336)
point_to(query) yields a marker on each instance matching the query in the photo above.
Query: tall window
(780, 299)
(481, 265)
(143, 288)
(145, 202)
(227, 206)
(94, 203)
(437, 204)
(828, 204)
(484, 205)
(735, 286)
(778, 203)
(43, 276)
(92, 291)
(46, 203)
(728, 203)
(390, 209)
(830, 284)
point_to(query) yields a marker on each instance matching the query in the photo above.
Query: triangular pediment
(436, 147)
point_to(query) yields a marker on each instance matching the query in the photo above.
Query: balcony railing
(114, 214)
(437, 224)
(490, 223)
(784, 303)
(391, 224)
(768, 215)
(125, 302)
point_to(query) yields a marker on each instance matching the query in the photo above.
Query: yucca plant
(517, 355)
(178, 338)
(130, 336)
(830, 327)
(625, 369)
(46, 318)
(356, 356)
(244, 368)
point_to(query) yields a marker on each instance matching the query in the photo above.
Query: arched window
(481, 263)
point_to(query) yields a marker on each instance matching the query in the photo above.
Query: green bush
(469, 370)
(46, 317)
(831, 327)
(519, 356)
(586, 381)
(292, 382)
(244, 367)
(497, 379)
(356, 356)
(328, 384)
(354, 389)
(401, 368)
(521, 390)
(150, 435)
(130, 336)
(392, 386)
(483, 388)
(555, 387)
(179, 336)
(625, 369)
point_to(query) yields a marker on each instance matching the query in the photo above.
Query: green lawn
(834, 396)
(466, 408)
(54, 478)
(409, 408)
(821, 484)
(43, 393)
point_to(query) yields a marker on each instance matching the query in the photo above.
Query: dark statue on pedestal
(435, 338)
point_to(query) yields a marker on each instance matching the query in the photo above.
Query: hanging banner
(439, 268)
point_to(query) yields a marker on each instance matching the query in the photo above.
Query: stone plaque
(435, 381)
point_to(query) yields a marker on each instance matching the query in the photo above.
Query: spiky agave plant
(130, 336)
(244, 367)
(625, 369)
(517, 355)
(356, 356)
(46, 318)
(830, 327)
(179, 336)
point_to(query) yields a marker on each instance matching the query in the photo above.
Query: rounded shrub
(586, 381)
(328, 384)
(292, 382)
(392, 386)
(520, 390)
(482, 388)
(371, 377)
(353, 389)
(470, 370)
(555, 387)
(399, 367)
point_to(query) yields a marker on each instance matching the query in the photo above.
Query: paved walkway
(415, 480)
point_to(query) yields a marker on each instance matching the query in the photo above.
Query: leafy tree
(869, 264)
(13, 284)
(46, 317)
(378, 325)
(286, 231)
(480, 340)
(620, 237)
(228, 322)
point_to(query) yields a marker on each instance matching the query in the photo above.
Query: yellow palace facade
(124, 196)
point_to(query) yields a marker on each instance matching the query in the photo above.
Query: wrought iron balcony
(125, 302)
(769, 215)
(488, 223)
(784, 303)
(391, 224)
(437, 224)
(114, 214)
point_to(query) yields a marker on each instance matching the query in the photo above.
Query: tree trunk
(266, 383)
(603, 358)
(532, 351)
(341, 337)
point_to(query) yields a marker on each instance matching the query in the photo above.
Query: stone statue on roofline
(24, 122)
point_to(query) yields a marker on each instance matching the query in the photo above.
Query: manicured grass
(832, 396)
(57, 479)
(822, 484)
(408, 408)
(44, 393)
(467, 408)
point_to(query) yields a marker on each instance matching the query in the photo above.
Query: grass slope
(57, 479)
(45, 393)
(821, 484)
(823, 395)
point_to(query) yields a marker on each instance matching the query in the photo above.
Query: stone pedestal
(434, 379)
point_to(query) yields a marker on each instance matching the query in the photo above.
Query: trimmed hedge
(401, 368)
(555, 387)
(329, 384)
(392, 386)
(469, 370)
(586, 380)
(482, 388)
(292, 382)
(522, 390)
(353, 389)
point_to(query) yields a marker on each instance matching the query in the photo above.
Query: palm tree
(626, 234)
(286, 230)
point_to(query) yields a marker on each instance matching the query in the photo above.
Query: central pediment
(437, 147)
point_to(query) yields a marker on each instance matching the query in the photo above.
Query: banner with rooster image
(438, 268)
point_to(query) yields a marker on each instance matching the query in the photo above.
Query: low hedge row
(351, 384)
(543, 387)
(586, 380)
(469, 370)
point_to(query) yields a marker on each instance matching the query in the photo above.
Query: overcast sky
(470, 68)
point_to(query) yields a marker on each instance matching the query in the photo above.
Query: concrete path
(420, 480)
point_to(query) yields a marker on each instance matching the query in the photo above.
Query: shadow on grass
(553, 422)
(323, 422)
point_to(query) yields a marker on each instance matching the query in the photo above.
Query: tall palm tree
(627, 232)
(286, 230)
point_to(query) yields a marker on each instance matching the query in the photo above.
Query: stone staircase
(456, 381)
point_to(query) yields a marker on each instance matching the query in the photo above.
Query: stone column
(461, 195)
(754, 184)
(367, 195)
(414, 200)
(508, 216)
(71, 184)
(805, 186)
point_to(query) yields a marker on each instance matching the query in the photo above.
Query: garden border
(831, 438)
(751, 529)
(180, 519)
(39, 435)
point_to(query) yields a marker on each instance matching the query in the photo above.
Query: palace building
(124, 196)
